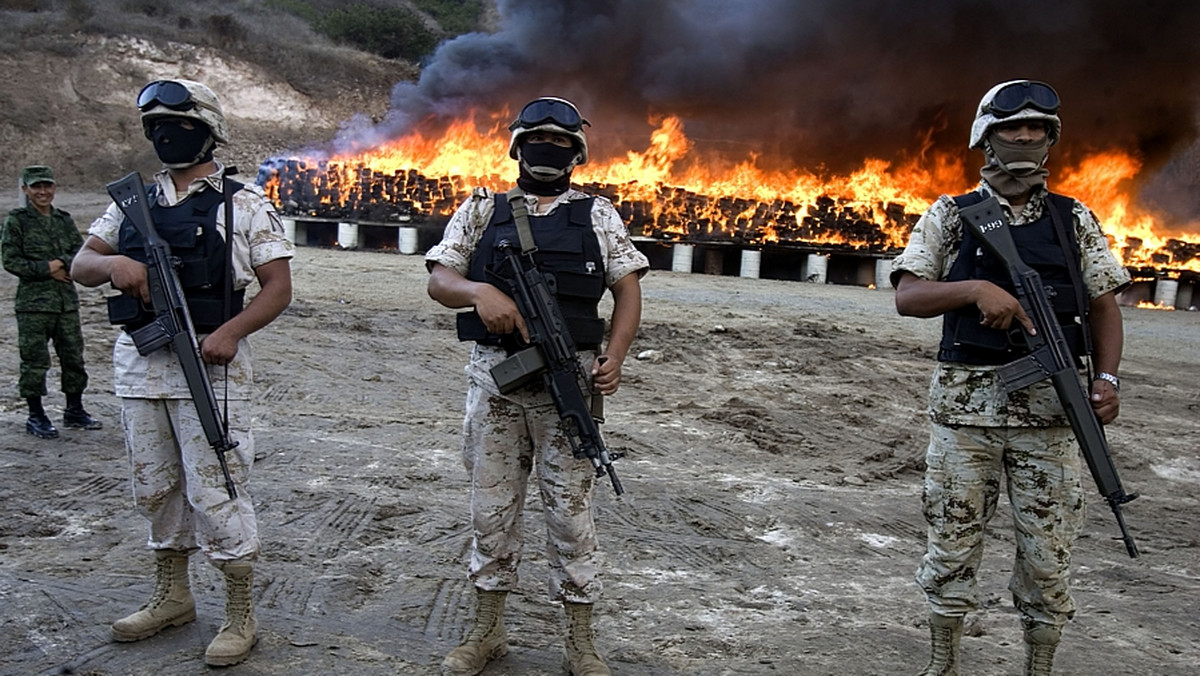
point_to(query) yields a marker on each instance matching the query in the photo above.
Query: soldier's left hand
(606, 375)
(1105, 401)
(218, 348)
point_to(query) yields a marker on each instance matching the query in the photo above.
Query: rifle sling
(516, 200)
(227, 194)
(1072, 258)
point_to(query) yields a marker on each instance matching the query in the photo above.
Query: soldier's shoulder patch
(276, 222)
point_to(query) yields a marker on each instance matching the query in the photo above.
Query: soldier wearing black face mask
(582, 242)
(226, 236)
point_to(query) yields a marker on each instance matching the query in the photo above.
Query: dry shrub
(223, 30)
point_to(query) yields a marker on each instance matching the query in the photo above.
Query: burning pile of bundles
(321, 190)
(678, 214)
(1175, 253)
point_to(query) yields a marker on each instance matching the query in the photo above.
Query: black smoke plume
(823, 84)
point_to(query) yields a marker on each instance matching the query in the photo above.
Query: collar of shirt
(1030, 212)
(531, 201)
(166, 185)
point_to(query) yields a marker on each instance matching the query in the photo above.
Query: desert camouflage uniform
(177, 480)
(46, 308)
(980, 434)
(503, 435)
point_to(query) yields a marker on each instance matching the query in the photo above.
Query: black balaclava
(178, 147)
(546, 167)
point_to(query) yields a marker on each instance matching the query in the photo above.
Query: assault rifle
(1049, 357)
(172, 324)
(551, 355)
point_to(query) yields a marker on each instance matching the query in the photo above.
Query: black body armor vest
(567, 249)
(190, 228)
(964, 339)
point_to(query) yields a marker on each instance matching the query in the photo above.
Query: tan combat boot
(487, 639)
(170, 605)
(1040, 642)
(581, 658)
(945, 633)
(239, 633)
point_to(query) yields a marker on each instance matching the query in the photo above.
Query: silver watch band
(1116, 382)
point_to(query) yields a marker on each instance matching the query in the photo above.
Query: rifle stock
(172, 324)
(1050, 357)
(553, 357)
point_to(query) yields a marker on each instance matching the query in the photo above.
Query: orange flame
(1104, 181)
(682, 189)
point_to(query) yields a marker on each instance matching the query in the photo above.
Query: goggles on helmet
(542, 111)
(1020, 95)
(166, 93)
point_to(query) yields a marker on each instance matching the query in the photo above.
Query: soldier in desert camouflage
(177, 479)
(583, 242)
(980, 434)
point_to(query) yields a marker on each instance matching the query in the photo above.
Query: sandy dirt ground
(773, 436)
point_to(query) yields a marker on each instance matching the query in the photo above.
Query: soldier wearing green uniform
(38, 245)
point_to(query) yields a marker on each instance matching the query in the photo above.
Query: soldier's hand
(129, 277)
(498, 312)
(606, 375)
(998, 308)
(218, 347)
(1105, 402)
(59, 271)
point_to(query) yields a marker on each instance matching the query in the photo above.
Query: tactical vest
(190, 228)
(964, 338)
(567, 250)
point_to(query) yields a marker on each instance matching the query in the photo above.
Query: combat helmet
(551, 114)
(1017, 100)
(182, 98)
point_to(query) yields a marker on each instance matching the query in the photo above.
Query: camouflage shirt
(467, 224)
(962, 394)
(258, 238)
(29, 242)
(466, 227)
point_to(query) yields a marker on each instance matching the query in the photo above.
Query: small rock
(853, 481)
(652, 356)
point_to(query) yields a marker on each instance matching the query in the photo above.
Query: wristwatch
(1116, 382)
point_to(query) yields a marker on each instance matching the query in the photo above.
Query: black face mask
(546, 168)
(179, 147)
(549, 155)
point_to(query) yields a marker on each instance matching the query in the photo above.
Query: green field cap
(37, 174)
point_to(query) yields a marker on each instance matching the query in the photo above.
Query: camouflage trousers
(1041, 468)
(177, 480)
(34, 331)
(502, 438)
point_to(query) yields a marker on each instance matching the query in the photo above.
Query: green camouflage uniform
(46, 308)
(981, 434)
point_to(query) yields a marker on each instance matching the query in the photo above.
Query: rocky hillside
(68, 99)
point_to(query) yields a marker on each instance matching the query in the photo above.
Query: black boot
(74, 417)
(38, 424)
